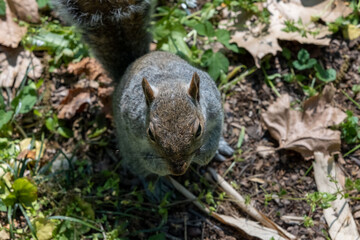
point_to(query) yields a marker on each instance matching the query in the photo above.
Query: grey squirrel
(167, 113)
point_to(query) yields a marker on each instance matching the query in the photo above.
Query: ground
(256, 174)
(95, 186)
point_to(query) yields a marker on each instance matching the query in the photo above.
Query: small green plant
(352, 185)
(341, 23)
(23, 102)
(356, 88)
(54, 125)
(308, 221)
(350, 128)
(249, 6)
(292, 26)
(2, 8)
(43, 3)
(325, 75)
(304, 61)
(307, 72)
(176, 28)
(63, 43)
(16, 191)
(320, 199)
(22, 192)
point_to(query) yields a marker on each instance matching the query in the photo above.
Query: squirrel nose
(178, 168)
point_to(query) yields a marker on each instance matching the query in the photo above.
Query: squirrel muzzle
(178, 168)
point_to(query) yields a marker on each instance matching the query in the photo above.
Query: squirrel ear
(194, 89)
(148, 91)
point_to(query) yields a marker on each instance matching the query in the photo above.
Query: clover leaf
(325, 75)
(304, 61)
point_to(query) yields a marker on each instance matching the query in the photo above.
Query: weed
(292, 26)
(54, 125)
(23, 102)
(308, 221)
(307, 72)
(350, 129)
(341, 23)
(304, 61)
(63, 43)
(171, 34)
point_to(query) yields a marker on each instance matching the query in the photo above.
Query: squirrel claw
(218, 157)
(224, 148)
(223, 151)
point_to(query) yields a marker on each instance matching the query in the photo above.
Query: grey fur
(163, 70)
(116, 32)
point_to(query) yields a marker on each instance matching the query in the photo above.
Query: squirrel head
(175, 123)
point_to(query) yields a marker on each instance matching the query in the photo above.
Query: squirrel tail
(115, 30)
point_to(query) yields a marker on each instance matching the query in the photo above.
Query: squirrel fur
(167, 113)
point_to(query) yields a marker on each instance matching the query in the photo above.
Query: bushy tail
(116, 30)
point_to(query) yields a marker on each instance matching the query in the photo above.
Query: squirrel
(167, 113)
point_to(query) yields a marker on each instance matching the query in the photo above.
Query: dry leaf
(251, 228)
(338, 217)
(261, 40)
(351, 32)
(76, 101)
(25, 146)
(91, 68)
(257, 180)
(23, 154)
(248, 208)
(13, 66)
(4, 235)
(26, 10)
(307, 131)
(328, 10)
(10, 32)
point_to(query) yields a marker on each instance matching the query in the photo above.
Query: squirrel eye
(198, 132)
(151, 135)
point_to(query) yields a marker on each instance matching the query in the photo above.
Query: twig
(247, 208)
(247, 226)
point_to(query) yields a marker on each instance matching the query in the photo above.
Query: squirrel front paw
(224, 150)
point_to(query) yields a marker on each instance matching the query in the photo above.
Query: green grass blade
(71, 219)
(32, 229)
(11, 223)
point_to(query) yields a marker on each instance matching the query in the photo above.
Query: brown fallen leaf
(10, 32)
(14, 64)
(262, 39)
(26, 10)
(105, 97)
(351, 32)
(22, 155)
(25, 145)
(4, 235)
(338, 216)
(75, 102)
(307, 131)
(91, 68)
(257, 180)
